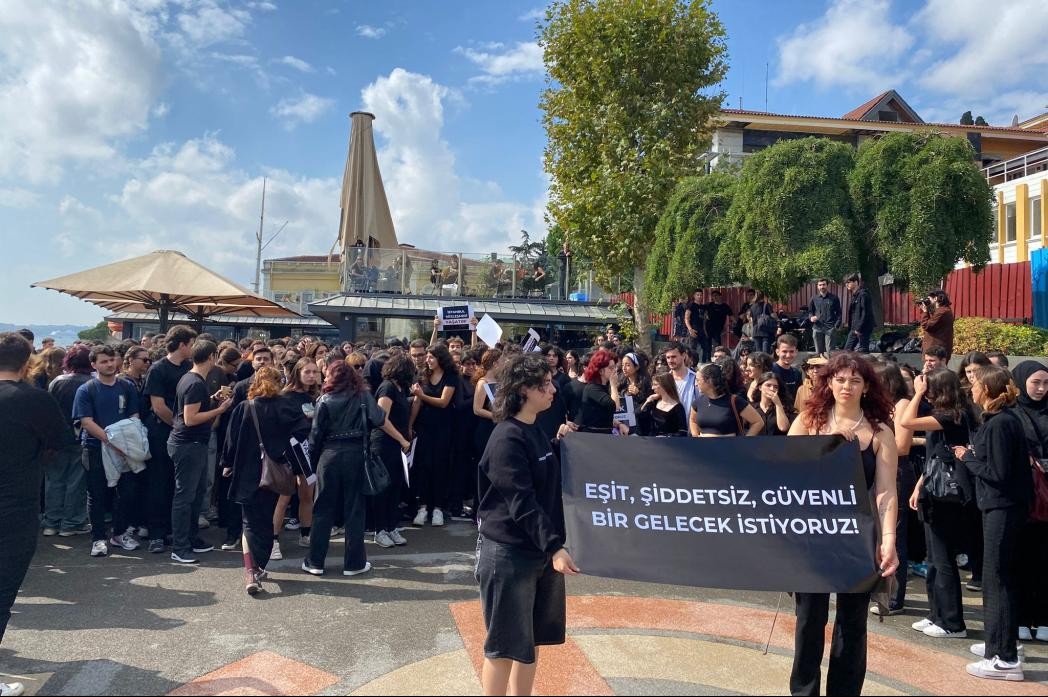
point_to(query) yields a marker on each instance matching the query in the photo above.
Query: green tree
(99, 332)
(966, 119)
(627, 112)
(920, 204)
(687, 237)
(790, 217)
(980, 121)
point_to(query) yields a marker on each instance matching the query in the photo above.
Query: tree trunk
(640, 311)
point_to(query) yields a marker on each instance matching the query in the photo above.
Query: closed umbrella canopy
(164, 281)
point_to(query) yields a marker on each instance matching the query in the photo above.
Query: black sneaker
(310, 569)
(156, 546)
(182, 559)
(201, 547)
(230, 544)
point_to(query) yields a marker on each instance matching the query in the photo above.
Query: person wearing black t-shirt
(31, 429)
(521, 555)
(188, 447)
(392, 396)
(431, 421)
(600, 397)
(664, 409)
(161, 384)
(717, 314)
(790, 378)
(717, 412)
(695, 322)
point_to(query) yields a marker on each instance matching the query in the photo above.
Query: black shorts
(523, 600)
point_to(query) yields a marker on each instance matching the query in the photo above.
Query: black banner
(764, 513)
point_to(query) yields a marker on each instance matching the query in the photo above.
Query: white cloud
(160, 110)
(72, 208)
(305, 108)
(992, 51)
(297, 64)
(209, 23)
(207, 207)
(522, 61)
(854, 45)
(370, 32)
(73, 83)
(430, 202)
(533, 15)
(18, 198)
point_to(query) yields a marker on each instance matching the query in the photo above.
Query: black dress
(666, 423)
(431, 474)
(597, 411)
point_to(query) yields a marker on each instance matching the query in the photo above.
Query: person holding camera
(937, 321)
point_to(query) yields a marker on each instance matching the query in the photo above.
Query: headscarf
(1032, 413)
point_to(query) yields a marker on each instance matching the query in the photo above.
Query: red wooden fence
(999, 291)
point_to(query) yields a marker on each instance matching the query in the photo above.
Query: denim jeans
(65, 491)
(190, 484)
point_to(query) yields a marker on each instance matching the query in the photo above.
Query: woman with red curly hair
(600, 397)
(848, 400)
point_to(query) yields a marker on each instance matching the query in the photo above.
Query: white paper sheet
(488, 330)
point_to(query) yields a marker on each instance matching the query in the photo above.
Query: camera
(923, 302)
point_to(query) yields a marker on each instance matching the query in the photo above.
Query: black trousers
(98, 493)
(904, 482)
(858, 343)
(258, 526)
(1033, 600)
(431, 475)
(19, 527)
(1001, 532)
(386, 506)
(160, 485)
(340, 472)
(945, 534)
(847, 652)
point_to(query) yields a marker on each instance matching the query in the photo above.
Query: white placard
(489, 331)
(627, 416)
(532, 343)
(409, 460)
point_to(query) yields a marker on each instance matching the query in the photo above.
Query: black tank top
(869, 464)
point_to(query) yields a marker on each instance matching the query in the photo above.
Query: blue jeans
(65, 491)
(190, 485)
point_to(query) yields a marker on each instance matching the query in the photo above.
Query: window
(1009, 222)
(1035, 216)
(887, 116)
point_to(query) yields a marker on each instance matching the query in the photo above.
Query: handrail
(1023, 163)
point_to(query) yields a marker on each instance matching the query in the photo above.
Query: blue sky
(135, 125)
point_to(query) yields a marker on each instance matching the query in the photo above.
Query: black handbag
(376, 476)
(944, 476)
(276, 476)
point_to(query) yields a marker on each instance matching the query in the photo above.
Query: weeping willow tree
(687, 237)
(790, 218)
(921, 204)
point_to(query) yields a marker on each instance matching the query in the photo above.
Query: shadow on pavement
(99, 677)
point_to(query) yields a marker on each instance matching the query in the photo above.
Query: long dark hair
(974, 358)
(341, 378)
(946, 395)
(400, 370)
(891, 378)
(876, 405)
(714, 375)
(520, 372)
(294, 379)
(444, 360)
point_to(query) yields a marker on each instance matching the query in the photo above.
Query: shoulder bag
(376, 476)
(276, 476)
(942, 478)
(738, 417)
(1038, 469)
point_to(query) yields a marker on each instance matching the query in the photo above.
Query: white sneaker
(1040, 635)
(50, 532)
(367, 568)
(980, 650)
(203, 523)
(382, 539)
(922, 625)
(996, 669)
(125, 542)
(399, 540)
(99, 549)
(937, 632)
(438, 518)
(11, 689)
(1024, 634)
(276, 554)
(420, 517)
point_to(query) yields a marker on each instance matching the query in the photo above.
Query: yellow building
(295, 282)
(1021, 188)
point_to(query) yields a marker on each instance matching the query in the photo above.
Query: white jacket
(131, 437)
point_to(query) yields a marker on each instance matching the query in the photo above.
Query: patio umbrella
(365, 211)
(164, 282)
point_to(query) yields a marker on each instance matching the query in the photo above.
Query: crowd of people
(150, 440)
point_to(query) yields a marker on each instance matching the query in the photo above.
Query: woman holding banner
(848, 401)
(521, 559)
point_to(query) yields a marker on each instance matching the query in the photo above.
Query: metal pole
(258, 247)
(403, 271)
(513, 281)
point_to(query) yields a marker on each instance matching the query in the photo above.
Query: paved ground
(138, 624)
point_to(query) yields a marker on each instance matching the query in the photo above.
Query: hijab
(1033, 414)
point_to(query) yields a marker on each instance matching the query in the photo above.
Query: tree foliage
(966, 119)
(790, 217)
(687, 238)
(921, 204)
(99, 332)
(627, 111)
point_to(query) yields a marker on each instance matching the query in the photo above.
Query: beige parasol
(365, 210)
(164, 282)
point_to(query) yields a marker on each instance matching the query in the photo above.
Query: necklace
(855, 426)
